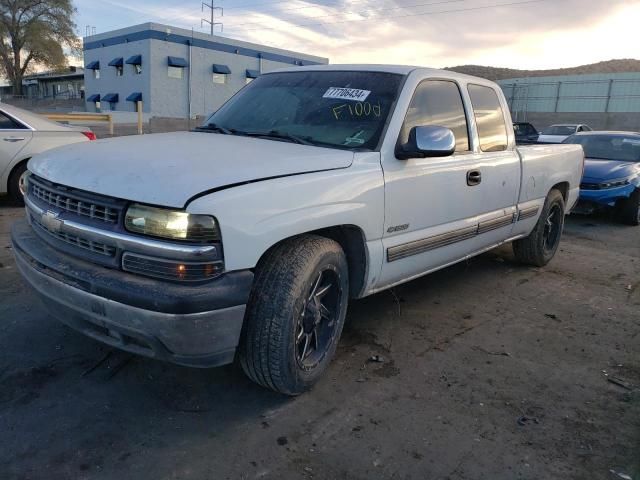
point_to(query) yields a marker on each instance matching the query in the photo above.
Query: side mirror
(427, 141)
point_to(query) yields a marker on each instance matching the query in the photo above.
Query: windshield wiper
(212, 127)
(277, 135)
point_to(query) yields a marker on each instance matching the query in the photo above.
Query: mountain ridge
(623, 65)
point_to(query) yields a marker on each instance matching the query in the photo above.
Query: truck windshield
(336, 109)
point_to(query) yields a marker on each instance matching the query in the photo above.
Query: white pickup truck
(310, 187)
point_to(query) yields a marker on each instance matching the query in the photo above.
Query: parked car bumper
(609, 197)
(192, 325)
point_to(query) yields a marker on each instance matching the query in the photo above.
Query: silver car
(560, 132)
(24, 134)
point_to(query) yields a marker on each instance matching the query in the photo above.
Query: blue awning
(116, 62)
(134, 60)
(110, 98)
(135, 97)
(253, 73)
(94, 98)
(93, 66)
(177, 62)
(219, 68)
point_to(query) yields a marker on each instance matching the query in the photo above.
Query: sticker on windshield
(347, 94)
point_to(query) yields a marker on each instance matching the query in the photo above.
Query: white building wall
(195, 93)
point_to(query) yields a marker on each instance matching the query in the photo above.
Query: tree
(34, 32)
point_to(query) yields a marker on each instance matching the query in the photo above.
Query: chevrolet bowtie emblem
(51, 221)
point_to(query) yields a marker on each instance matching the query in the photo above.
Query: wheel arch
(13, 168)
(563, 188)
(353, 242)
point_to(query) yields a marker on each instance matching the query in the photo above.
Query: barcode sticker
(347, 94)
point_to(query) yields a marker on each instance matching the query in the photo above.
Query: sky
(524, 34)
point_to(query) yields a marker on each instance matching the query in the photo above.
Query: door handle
(13, 139)
(474, 177)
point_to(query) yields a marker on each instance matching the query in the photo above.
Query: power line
(308, 6)
(375, 11)
(251, 5)
(484, 7)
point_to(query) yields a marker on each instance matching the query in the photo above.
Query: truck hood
(170, 168)
(596, 171)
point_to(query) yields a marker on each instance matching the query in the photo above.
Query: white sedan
(24, 134)
(559, 133)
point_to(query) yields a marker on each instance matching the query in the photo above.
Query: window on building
(251, 75)
(136, 62)
(111, 99)
(95, 99)
(135, 97)
(489, 118)
(175, 72)
(437, 102)
(219, 78)
(95, 66)
(118, 64)
(175, 68)
(220, 73)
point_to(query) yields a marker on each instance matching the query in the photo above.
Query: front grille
(89, 245)
(590, 186)
(170, 269)
(70, 203)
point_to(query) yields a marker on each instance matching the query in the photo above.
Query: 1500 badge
(398, 228)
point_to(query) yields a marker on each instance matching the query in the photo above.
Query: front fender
(256, 216)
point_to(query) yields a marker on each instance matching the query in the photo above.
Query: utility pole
(212, 22)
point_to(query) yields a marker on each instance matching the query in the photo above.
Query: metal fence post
(606, 108)
(555, 110)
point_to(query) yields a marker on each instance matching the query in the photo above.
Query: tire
(292, 324)
(15, 195)
(630, 213)
(542, 243)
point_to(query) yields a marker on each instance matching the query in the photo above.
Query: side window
(489, 118)
(8, 123)
(437, 102)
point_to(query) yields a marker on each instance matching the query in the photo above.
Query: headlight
(616, 182)
(172, 224)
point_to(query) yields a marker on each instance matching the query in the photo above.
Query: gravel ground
(490, 370)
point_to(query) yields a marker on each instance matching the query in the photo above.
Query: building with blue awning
(175, 73)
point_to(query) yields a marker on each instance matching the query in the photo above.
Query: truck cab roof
(397, 69)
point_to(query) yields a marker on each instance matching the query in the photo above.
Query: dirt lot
(491, 371)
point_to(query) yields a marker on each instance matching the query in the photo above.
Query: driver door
(434, 205)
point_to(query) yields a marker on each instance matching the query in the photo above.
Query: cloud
(437, 33)
(425, 35)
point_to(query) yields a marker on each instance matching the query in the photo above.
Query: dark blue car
(612, 173)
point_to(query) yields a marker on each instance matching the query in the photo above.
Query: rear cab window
(492, 130)
(437, 102)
